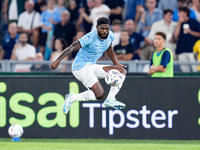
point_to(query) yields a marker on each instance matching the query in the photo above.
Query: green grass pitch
(97, 144)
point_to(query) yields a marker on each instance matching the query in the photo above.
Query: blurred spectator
(187, 32)
(196, 49)
(24, 52)
(162, 60)
(196, 7)
(149, 17)
(60, 45)
(79, 34)
(12, 9)
(60, 5)
(64, 29)
(125, 50)
(49, 18)
(183, 3)
(116, 26)
(43, 6)
(39, 67)
(166, 4)
(135, 38)
(143, 51)
(99, 10)
(166, 26)
(73, 7)
(9, 41)
(116, 8)
(133, 10)
(81, 20)
(38, 4)
(29, 22)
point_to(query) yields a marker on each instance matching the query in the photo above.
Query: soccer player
(162, 59)
(85, 69)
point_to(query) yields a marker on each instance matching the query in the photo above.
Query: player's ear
(97, 27)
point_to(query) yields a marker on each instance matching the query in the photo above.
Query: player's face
(158, 41)
(103, 31)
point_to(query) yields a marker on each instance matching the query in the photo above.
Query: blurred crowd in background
(40, 29)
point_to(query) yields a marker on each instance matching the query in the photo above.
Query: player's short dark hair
(185, 9)
(162, 34)
(165, 11)
(103, 20)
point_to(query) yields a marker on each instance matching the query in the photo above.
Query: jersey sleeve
(86, 40)
(165, 59)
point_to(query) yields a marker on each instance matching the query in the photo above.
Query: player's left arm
(73, 47)
(111, 54)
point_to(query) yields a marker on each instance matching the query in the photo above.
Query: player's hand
(120, 65)
(55, 64)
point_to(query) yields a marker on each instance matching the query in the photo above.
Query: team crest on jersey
(108, 43)
(85, 38)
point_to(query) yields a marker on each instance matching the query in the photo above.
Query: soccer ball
(15, 131)
(113, 77)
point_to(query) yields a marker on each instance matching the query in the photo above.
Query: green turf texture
(97, 144)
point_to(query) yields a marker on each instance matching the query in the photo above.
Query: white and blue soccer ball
(113, 77)
(15, 131)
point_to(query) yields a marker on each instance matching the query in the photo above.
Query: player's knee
(100, 94)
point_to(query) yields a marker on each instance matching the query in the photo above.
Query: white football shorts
(90, 74)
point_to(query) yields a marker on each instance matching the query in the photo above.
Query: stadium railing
(134, 66)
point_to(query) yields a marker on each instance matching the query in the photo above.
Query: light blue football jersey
(92, 49)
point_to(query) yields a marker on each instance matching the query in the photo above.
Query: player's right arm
(73, 47)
